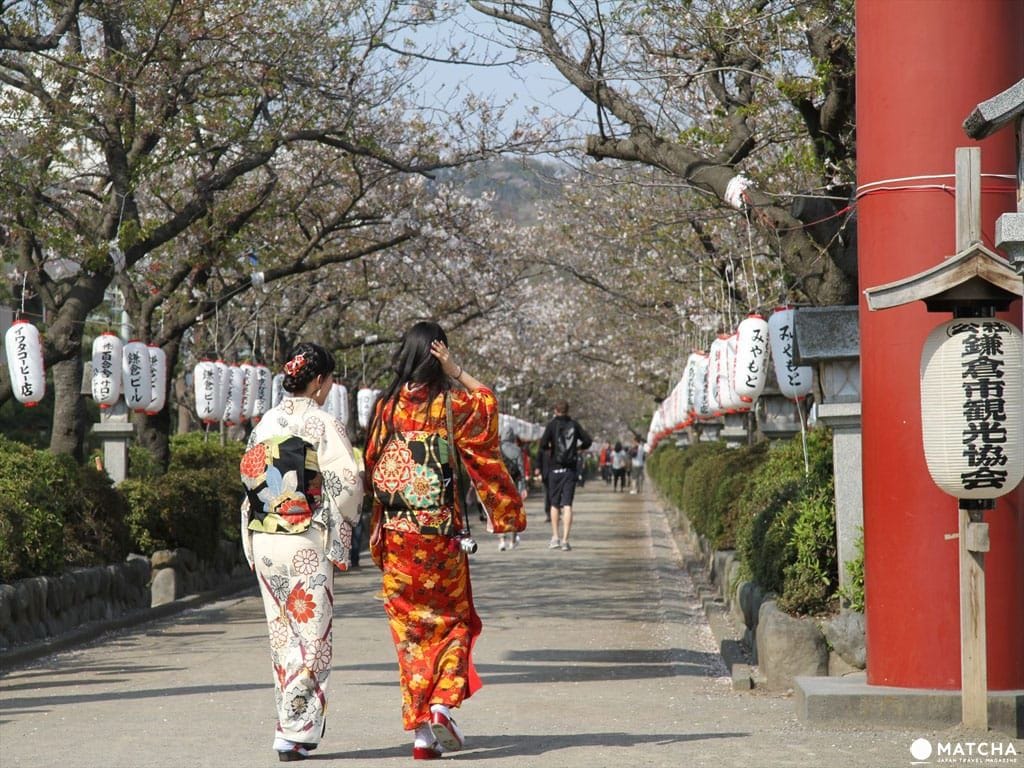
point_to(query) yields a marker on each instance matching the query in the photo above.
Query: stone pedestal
(115, 430)
(735, 430)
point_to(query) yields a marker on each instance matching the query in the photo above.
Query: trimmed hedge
(194, 505)
(762, 501)
(88, 521)
(55, 514)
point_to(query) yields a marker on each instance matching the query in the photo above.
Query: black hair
(618, 445)
(414, 364)
(316, 361)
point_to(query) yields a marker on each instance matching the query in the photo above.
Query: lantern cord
(753, 266)
(803, 436)
(24, 286)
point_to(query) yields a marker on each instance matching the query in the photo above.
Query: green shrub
(810, 579)
(183, 509)
(194, 451)
(38, 490)
(853, 593)
(764, 538)
(96, 531)
(142, 463)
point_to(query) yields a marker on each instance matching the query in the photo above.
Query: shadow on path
(522, 745)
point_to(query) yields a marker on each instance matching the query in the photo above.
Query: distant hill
(519, 185)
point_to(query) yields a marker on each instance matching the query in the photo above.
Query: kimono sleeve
(342, 490)
(476, 436)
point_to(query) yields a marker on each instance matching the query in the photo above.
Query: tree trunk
(69, 416)
(155, 431)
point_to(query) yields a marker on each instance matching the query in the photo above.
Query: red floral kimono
(426, 585)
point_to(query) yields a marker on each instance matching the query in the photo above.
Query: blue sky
(534, 84)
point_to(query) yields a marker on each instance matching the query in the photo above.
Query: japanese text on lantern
(984, 405)
(135, 370)
(23, 367)
(106, 371)
(758, 342)
(792, 369)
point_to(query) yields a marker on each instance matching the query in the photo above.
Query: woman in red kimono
(417, 526)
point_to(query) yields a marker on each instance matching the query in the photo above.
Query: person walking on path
(512, 453)
(620, 461)
(303, 495)
(420, 539)
(639, 456)
(563, 438)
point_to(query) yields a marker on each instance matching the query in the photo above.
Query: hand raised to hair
(444, 356)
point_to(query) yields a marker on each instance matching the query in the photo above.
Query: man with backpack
(564, 438)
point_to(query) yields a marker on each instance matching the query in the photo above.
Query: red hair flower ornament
(296, 364)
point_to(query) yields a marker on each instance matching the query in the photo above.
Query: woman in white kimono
(303, 494)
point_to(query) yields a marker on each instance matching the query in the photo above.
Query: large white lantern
(703, 407)
(236, 395)
(261, 401)
(728, 398)
(107, 353)
(277, 390)
(972, 407)
(248, 390)
(365, 399)
(751, 368)
(340, 391)
(794, 380)
(157, 380)
(25, 362)
(690, 384)
(136, 377)
(716, 364)
(206, 383)
(224, 386)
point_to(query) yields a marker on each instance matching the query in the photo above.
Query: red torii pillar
(922, 66)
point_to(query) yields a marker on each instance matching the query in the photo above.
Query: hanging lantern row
(136, 370)
(25, 362)
(731, 375)
(232, 394)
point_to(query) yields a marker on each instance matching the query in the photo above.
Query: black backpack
(566, 440)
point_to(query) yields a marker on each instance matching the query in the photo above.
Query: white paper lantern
(972, 407)
(751, 369)
(236, 396)
(277, 390)
(224, 387)
(702, 399)
(715, 373)
(136, 377)
(365, 399)
(248, 390)
(206, 384)
(107, 353)
(794, 381)
(261, 400)
(157, 380)
(25, 362)
(690, 384)
(343, 407)
(332, 402)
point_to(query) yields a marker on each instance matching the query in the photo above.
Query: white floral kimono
(295, 569)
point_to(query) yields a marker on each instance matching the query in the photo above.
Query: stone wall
(44, 607)
(782, 646)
